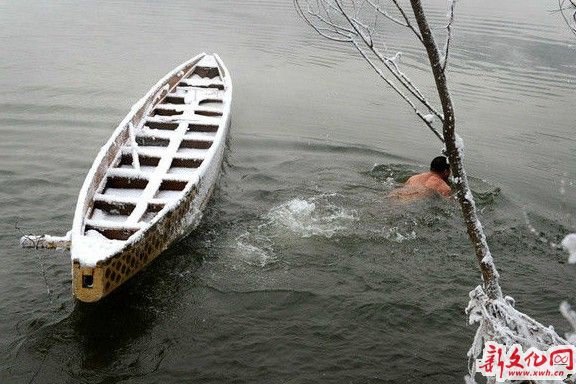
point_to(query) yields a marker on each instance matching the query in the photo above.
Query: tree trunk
(453, 147)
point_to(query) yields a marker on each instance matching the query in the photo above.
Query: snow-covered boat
(149, 183)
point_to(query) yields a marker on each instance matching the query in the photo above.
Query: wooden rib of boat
(149, 183)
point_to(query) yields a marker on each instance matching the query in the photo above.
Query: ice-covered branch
(335, 33)
(499, 321)
(407, 82)
(392, 66)
(454, 150)
(387, 15)
(363, 31)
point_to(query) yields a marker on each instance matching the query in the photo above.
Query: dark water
(301, 271)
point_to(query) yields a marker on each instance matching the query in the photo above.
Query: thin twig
(321, 31)
(398, 91)
(406, 23)
(448, 34)
(355, 28)
(389, 64)
(401, 10)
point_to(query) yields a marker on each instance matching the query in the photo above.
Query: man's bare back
(427, 183)
(431, 181)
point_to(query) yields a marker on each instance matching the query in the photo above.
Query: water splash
(316, 216)
(255, 249)
(394, 234)
(260, 242)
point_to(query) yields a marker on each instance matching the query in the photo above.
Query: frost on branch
(500, 322)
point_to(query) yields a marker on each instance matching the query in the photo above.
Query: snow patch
(94, 247)
(255, 249)
(459, 142)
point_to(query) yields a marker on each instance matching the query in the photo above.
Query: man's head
(440, 166)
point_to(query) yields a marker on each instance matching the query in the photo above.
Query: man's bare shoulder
(419, 179)
(439, 185)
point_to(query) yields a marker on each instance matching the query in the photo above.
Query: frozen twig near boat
(45, 241)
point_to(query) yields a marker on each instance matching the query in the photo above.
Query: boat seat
(160, 124)
(174, 98)
(100, 197)
(150, 152)
(152, 141)
(113, 230)
(202, 83)
(205, 136)
(177, 119)
(149, 133)
(130, 173)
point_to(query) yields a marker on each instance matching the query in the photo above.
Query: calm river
(302, 271)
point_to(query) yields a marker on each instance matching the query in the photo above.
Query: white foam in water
(394, 234)
(255, 249)
(312, 217)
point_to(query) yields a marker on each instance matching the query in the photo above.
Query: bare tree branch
(332, 19)
(332, 34)
(393, 68)
(398, 91)
(452, 4)
(389, 17)
(454, 146)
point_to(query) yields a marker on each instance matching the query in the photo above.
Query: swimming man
(427, 183)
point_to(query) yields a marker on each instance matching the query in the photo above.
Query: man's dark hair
(439, 164)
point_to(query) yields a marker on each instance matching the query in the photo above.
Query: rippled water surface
(302, 271)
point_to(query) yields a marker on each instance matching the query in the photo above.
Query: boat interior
(160, 155)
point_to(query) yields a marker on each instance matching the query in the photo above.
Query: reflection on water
(301, 270)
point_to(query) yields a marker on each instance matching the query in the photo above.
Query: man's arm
(445, 190)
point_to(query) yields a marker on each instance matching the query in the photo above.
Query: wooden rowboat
(150, 182)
